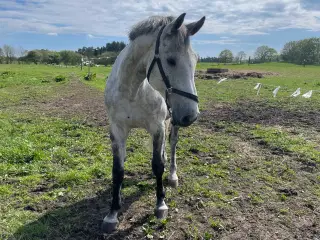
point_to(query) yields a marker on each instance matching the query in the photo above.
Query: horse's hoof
(173, 183)
(161, 212)
(109, 225)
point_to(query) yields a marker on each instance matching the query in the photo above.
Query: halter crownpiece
(169, 89)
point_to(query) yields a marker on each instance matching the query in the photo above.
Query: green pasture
(248, 168)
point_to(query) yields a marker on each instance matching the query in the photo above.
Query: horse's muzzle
(186, 120)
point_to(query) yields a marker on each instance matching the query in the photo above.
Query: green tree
(44, 56)
(265, 53)
(289, 51)
(54, 58)
(65, 57)
(272, 55)
(33, 56)
(306, 51)
(226, 56)
(75, 58)
(70, 57)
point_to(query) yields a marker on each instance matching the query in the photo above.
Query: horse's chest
(138, 113)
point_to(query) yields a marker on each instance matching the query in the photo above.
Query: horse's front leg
(173, 138)
(158, 161)
(118, 136)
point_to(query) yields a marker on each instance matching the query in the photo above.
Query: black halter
(169, 89)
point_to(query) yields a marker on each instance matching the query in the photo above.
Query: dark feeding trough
(216, 70)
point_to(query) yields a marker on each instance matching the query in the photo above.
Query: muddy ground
(233, 74)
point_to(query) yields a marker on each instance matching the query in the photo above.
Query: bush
(60, 78)
(90, 76)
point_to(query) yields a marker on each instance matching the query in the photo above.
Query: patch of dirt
(232, 74)
(82, 100)
(259, 113)
(73, 100)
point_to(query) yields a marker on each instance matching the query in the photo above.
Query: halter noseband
(169, 89)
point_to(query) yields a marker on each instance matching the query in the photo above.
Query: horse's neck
(134, 64)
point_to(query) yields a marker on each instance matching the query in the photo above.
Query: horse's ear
(176, 24)
(194, 27)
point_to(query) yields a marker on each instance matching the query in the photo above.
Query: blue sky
(233, 24)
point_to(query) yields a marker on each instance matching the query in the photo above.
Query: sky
(238, 25)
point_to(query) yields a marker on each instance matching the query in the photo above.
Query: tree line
(95, 52)
(262, 54)
(305, 51)
(104, 55)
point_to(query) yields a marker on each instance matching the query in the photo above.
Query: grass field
(248, 169)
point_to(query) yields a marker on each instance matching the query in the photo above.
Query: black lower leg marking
(158, 165)
(117, 175)
(110, 222)
(117, 178)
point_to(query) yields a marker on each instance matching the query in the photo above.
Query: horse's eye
(171, 62)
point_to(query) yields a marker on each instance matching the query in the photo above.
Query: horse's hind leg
(173, 138)
(118, 136)
(158, 169)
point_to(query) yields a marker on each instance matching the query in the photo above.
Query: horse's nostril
(188, 120)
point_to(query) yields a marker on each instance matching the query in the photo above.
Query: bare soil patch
(80, 101)
(259, 113)
(72, 100)
(233, 74)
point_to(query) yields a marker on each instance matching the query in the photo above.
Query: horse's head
(178, 61)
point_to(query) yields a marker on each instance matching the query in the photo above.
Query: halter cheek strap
(169, 89)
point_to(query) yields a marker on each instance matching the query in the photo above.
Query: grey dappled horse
(151, 84)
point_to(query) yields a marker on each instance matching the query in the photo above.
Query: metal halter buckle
(156, 56)
(169, 90)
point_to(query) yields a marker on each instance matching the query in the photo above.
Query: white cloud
(114, 18)
(53, 34)
(225, 41)
(92, 36)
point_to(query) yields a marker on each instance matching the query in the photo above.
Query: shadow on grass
(83, 219)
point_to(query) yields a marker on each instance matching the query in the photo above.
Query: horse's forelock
(149, 25)
(153, 24)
